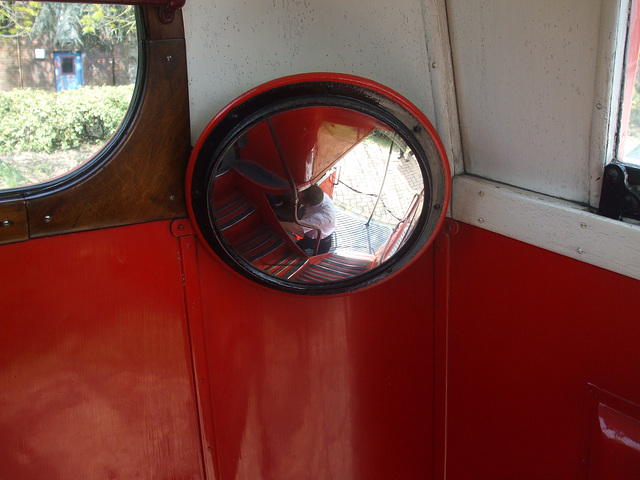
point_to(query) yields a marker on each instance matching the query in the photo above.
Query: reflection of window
(44, 133)
(68, 65)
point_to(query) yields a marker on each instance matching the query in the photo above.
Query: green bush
(43, 121)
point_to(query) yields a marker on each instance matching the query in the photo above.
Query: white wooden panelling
(442, 81)
(549, 223)
(235, 45)
(525, 78)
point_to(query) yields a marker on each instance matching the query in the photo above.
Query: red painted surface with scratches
(95, 371)
(316, 387)
(528, 330)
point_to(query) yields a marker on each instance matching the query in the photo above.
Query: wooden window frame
(139, 176)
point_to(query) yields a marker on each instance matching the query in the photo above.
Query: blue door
(68, 70)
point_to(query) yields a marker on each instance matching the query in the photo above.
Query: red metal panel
(320, 387)
(95, 374)
(612, 443)
(528, 330)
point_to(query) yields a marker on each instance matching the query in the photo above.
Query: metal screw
(6, 223)
(481, 193)
(181, 227)
(47, 218)
(434, 64)
(599, 106)
(172, 197)
(169, 58)
(580, 251)
(583, 225)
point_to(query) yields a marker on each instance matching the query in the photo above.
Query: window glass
(629, 131)
(67, 75)
(68, 66)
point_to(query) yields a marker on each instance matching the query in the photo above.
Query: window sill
(556, 225)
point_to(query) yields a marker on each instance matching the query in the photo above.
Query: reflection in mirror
(316, 194)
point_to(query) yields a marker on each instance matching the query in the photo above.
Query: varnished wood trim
(143, 178)
(13, 222)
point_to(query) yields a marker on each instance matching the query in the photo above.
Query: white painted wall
(235, 45)
(528, 77)
(525, 74)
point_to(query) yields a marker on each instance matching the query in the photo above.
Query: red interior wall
(317, 387)
(95, 370)
(528, 329)
(96, 377)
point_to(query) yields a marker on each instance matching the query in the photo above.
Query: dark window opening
(67, 65)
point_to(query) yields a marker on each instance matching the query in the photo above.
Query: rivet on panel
(6, 223)
(580, 251)
(47, 218)
(481, 220)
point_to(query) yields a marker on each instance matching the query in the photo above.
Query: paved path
(361, 174)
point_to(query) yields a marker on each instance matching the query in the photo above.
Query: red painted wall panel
(95, 372)
(320, 388)
(528, 330)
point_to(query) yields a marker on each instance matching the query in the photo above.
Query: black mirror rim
(308, 91)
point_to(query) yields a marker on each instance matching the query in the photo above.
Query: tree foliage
(69, 25)
(17, 18)
(42, 121)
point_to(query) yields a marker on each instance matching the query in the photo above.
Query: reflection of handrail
(402, 225)
(292, 185)
(393, 141)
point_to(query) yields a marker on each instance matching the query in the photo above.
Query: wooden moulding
(142, 178)
(13, 222)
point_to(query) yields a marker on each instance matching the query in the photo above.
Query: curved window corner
(67, 82)
(318, 184)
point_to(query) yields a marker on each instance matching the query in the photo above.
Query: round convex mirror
(318, 184)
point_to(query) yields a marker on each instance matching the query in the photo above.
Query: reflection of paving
(351, 233)
(361, 174)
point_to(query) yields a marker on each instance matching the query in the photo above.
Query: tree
(107, 26)
(17, 18)
(87, 26)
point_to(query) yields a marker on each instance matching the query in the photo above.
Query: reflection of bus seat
(334, 267)
(250, 231)
(259, 175)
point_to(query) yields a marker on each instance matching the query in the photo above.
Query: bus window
(68, 76)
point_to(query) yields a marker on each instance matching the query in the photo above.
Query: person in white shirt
(319, 212)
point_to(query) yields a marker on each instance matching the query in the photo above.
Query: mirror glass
(316, 194)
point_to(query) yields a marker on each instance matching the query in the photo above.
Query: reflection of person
(405, 153)
(319, 212)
